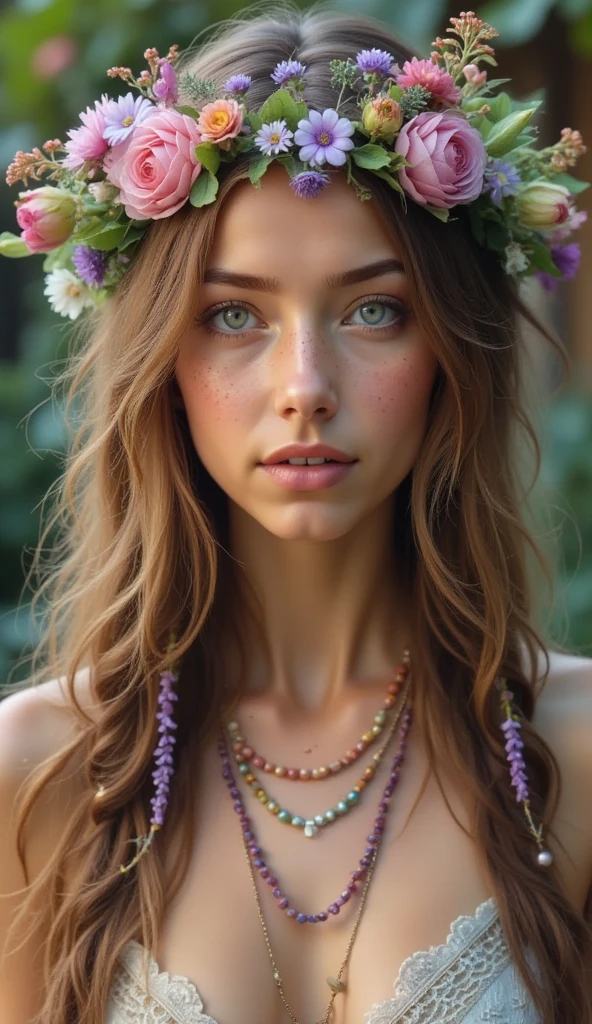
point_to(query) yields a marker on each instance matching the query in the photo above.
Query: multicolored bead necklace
(245, 752)
(310, 826)
(367, 864)
(256, 853)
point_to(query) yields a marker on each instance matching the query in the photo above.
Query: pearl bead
(545, 858)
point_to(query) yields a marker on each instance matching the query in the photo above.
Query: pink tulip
(47, 216)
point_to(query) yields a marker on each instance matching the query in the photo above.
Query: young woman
(342, 655)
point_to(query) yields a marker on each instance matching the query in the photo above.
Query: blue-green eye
(379, 313)
(234, 317)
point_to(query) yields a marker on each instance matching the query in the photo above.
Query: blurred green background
(53, 58)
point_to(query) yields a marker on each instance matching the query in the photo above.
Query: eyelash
(205, 319)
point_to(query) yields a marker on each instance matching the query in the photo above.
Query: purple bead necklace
(255, 852)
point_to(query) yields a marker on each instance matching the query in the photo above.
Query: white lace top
(470, 979)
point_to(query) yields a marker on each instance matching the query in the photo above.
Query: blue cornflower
(374, 61)
(238, 83)
(500, 179)
(287, 69)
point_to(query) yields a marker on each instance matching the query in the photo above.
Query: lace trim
(442, 983)
(171, 997)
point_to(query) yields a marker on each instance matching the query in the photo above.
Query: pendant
(310, 829)
(335, 985)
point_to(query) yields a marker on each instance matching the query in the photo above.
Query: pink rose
(424, 72)
(157, 166)
(220, 121)
(47, 216)
(447, 159)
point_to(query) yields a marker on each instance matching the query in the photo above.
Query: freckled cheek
(396, 398)
(216, 404)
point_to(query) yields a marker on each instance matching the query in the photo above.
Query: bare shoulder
(563, 717)
(36, 724)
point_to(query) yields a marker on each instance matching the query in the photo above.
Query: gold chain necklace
(335, 984)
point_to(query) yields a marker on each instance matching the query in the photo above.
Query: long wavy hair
(140, 548)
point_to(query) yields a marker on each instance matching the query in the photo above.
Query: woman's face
(303, 333)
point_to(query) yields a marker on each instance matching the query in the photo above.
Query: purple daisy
(238, 83)
(324, 137)
(567, 259)
(308, 184)
(274, 138)
(374, 61)
(287, 69)
(90, 265)
(123, 115)
(500, 179)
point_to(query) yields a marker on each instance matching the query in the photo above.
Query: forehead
(276, 231)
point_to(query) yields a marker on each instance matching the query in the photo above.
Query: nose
(305, 375)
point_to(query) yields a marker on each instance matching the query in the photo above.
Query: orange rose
(220, 121)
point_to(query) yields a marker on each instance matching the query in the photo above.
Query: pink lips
(308, 478)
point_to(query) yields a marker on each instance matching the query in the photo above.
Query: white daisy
(67, 294)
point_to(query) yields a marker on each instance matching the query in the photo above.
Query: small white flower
(516, 259)
(67, 294)
(103, 191)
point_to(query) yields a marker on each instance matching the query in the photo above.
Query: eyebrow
(218, 275)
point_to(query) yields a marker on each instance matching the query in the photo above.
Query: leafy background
(53, 57)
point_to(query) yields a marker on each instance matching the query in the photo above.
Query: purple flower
(567, 259)
(500, 179)
(513, 747)
(324, 137)
(287, 69)
(124, 114)
(90, 265)
(163, 755)
(165, 88)
(274, 138)
(374, 61)
(308, 184)
(237, 83)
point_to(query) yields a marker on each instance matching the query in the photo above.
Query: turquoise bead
(285, 816)
(297, 821)
(342, 807)
(330, 815)
(319, 819)
(352, 797)
(243, 768)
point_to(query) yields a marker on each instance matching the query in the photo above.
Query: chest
(427, 874)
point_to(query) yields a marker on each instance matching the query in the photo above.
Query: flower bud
(47, 216)
(474, 76)
(382, 117)
(543, 204)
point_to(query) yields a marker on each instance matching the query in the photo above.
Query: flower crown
(433, 130)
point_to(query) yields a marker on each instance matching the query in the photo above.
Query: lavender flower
(274, 138)
(163, 756)
(122, 116)
(237, 83)
(567, 259)
(287, 69)
(513, 747)
(324, 137)
(374, 61)
(500, 179)
(90, 265)
(308, 184)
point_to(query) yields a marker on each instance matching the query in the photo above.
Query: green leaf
(13, 246)
(59, 258)
(109, 237)
(482, 125)
(302, 110)
(371, 156)
(253, 120)
(437, 211)
(258, 167)
(503, 135)
(132, 236)
(280, 105)
(208, 155)
(572, 184)
(540, 259)
(500, 107)
(392, 181)
(205, 189)
(395, 92)
(190, 111)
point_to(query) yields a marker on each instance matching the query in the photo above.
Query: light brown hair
(141, 550)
